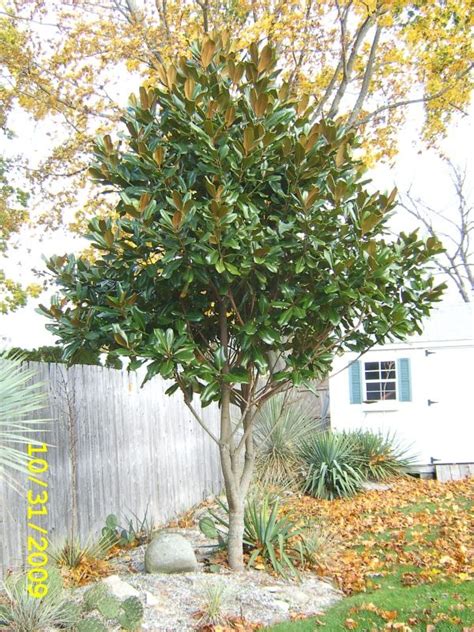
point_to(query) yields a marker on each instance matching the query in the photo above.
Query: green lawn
(447, 606)
(425, 549)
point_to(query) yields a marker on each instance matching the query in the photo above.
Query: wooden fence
(116, 448)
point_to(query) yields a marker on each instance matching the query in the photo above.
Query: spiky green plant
(24, 613)
(213, 598)
(381, 455)
(280, 428)
(266, 535)
(72, 552)
(333, 466)
(20, 401)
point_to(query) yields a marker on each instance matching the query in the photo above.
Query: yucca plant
(20, 400)
(24, 613)
(280, 428)
(72, 552)
(381, 456)
(267, 536)
(333, 466)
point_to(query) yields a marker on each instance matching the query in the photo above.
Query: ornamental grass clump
(333, 466)
(24, 613)
(214, 596)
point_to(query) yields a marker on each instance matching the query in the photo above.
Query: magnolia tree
(244, 253)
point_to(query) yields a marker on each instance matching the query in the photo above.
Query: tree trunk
(236, 533)
(237, 465)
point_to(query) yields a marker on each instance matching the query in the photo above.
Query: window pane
(388, 365)
(373, 397)
(371, 366)
(389, 395)
(372, 375)
(372, 387)
(388, 375)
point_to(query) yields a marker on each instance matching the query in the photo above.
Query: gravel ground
(172, 601)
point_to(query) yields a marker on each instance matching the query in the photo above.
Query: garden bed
(402, 559)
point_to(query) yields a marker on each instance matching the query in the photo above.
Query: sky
(414, 167)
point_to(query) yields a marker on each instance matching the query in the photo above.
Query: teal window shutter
(355, 384)
(404, 380)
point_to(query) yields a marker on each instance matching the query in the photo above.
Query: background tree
(455, 228)
(55, 354)
(243, 235)
(13, 215)
(365, 61)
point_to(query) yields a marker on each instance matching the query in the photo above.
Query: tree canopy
(245, 249)
(363, 61)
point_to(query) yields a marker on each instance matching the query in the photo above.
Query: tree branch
(204, 4)
(359, 38)
(199, 420)
(425, 99)
(367, 77)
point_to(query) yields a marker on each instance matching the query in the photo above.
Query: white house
(422, 389)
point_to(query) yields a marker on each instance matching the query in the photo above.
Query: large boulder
(170, 553)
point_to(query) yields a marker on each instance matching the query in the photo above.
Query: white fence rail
(115, 448)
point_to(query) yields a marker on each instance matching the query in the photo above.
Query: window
(380, 381)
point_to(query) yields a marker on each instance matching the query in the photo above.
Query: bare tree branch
(347, 73)
(204, 4)
(162, 8)
(367, 77)
(425, 99)
(200, 421)
(455, 261)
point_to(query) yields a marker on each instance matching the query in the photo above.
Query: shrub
(280, 428)
(266, 536)
(332, 466)
(381, 456)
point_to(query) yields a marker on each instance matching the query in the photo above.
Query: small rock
(290, 595)
(170, 553)
(298, 597)
(282, 605)
(370, 486)
(119, 588)
(150, 599)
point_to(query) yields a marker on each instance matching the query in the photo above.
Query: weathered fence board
(118, 448)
